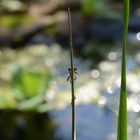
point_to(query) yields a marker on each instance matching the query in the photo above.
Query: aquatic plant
(122, 116)
(71, 72)
(96, 7)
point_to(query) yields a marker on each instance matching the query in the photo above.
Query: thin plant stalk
(122, 116)
(72, 78)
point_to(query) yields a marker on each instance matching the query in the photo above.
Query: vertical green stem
(72, 79)
(122, 117)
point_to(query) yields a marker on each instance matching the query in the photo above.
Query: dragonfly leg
(68, 78)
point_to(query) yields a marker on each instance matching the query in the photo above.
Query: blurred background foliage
(34, 95)
(94, 7)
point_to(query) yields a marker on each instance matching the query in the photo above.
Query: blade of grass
(72, 78)
(122, 116)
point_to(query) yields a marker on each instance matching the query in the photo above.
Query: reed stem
(72, 78)
(122, 116)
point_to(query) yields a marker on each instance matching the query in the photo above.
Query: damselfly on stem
(72, 72)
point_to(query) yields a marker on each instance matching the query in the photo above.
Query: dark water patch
(17, 125)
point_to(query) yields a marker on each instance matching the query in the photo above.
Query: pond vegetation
(35, 98)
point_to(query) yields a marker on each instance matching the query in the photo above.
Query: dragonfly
(72, 71)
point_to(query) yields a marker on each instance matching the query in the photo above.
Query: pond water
(93, 122)
(35, 97)
(97, 88)
(100, 86)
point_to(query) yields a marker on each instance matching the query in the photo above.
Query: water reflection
(103, 122)
(138, 36)
(94, 85)
(95, 73)
(112, 56)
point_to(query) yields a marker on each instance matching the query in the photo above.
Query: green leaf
(95, 7)
(7, 99)
(44, 107)
(31, 82)
(122, 116)
(30, 104)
